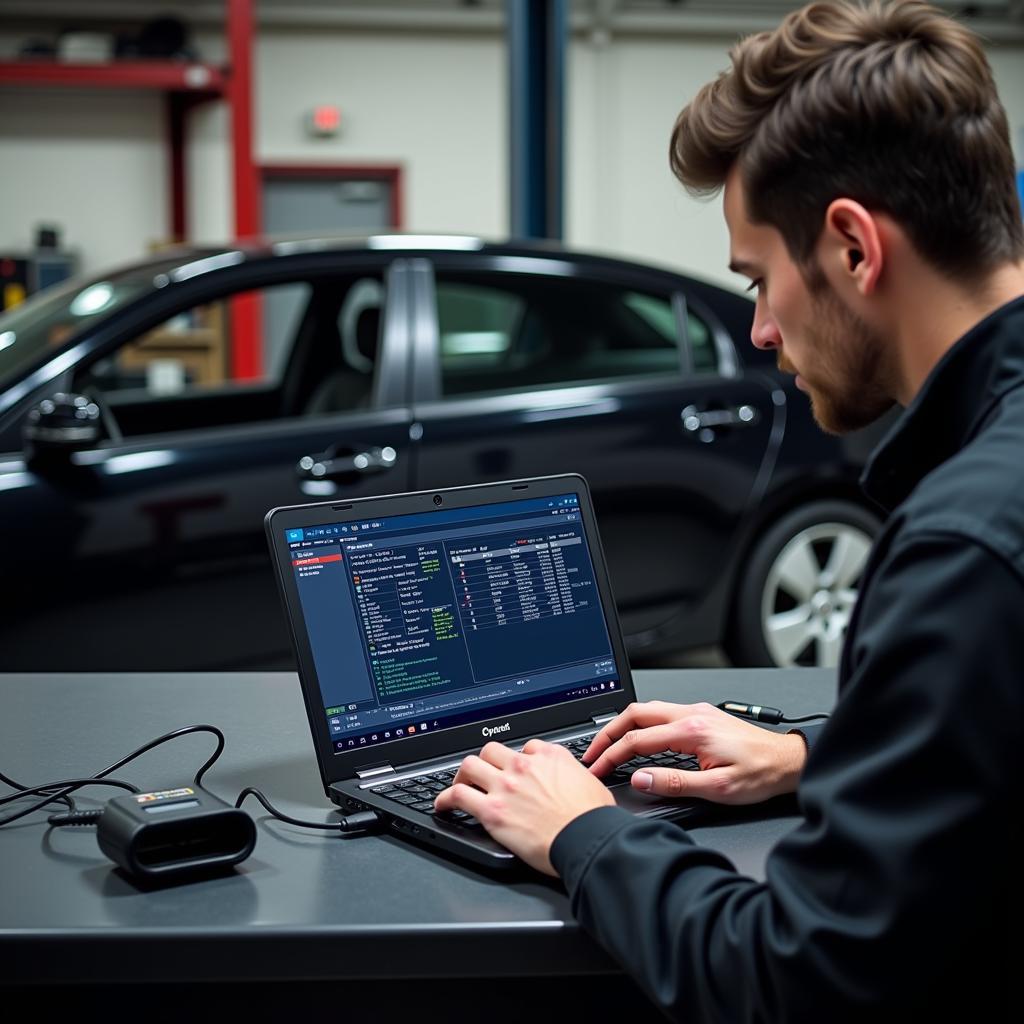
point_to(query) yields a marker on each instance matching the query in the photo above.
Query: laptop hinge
(376, 773)
(603, 719)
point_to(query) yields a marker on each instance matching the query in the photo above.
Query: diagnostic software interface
(427, 621)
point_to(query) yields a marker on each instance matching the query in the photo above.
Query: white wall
(431, 104)
(622, 197)
(97, 169)
(434, 103)
(95, 161)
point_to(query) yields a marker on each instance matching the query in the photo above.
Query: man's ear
(851, 246)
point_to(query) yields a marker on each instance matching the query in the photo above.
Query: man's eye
(755, 285)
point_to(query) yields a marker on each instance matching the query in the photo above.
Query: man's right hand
(741, 763)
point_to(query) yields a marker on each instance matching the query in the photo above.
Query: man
(869, 196)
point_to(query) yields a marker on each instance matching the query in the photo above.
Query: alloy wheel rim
(810, 593)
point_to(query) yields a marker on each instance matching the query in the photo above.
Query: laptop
(426, 624)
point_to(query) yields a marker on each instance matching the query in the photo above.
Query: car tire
(795, 596)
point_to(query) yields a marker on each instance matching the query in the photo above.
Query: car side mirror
(60, 425)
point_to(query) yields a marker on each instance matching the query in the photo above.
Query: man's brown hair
(890, 104)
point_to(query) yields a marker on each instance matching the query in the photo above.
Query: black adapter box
(174, 832)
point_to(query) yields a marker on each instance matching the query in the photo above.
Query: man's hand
(524, 799)
(741, 763)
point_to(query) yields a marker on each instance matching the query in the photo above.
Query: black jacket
(896, 895)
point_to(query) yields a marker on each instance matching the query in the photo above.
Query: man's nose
(765, 332)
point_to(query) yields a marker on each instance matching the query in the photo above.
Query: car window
(477, 324)
(344, 364)
(702, 344)
(318, 339)
(193, 350)
(51, 317)
(518, 331)
(661, 315)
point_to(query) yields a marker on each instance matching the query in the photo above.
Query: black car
(140, 460)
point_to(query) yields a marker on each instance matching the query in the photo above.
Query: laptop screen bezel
(336, 766)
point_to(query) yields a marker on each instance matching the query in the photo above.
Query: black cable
(7, 781)
(760, 713)
(212, 729)
(364, 821)
(68, 786)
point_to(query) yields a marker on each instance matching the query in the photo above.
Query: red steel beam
(175, 104)
(139, 74)
(247, 333)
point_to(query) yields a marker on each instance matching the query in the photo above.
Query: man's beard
(848, 382)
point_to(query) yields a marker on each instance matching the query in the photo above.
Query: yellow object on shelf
(14, 294)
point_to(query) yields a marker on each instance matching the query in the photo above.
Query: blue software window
(425, 621)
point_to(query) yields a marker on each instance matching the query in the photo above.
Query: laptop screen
(422, 622)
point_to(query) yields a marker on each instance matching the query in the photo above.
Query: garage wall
(95, 162)
(622, 197)
(434, 103)
(95, 168)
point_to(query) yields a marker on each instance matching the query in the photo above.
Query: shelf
(201, 350)
(196, 337)
(184, 86)
(140, 74)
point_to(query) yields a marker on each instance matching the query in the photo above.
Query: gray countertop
(305, 904)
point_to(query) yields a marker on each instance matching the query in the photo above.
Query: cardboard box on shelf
(196, 341)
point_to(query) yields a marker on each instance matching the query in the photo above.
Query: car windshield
(53, 316)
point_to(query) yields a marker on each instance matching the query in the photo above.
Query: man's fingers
(497, 754)
(607, 736)
(616, 728)
(652, 740)
(713, 784)
(475, 771)
(461, 797)
(638, 716)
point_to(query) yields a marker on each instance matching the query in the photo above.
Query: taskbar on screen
(427, 724)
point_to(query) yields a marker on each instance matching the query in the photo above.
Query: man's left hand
(524, 799)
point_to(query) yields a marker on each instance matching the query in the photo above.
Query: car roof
(190, 261)
(193, 262)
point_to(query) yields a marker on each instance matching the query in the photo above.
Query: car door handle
(322, 467)
(702, 423)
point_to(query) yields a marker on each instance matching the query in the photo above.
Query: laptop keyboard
(418, 793)
(668, 759)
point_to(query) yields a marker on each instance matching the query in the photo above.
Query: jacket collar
(952, 405)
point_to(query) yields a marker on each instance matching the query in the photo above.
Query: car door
(147, 551)
(535, 366)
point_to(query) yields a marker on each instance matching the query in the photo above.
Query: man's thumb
(663, 781)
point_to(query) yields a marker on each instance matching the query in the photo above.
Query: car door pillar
(424, 331)
(391, 386)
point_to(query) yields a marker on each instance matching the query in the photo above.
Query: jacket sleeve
(909, 781)
(810, 732)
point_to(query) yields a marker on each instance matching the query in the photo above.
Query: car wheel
(797, 593)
